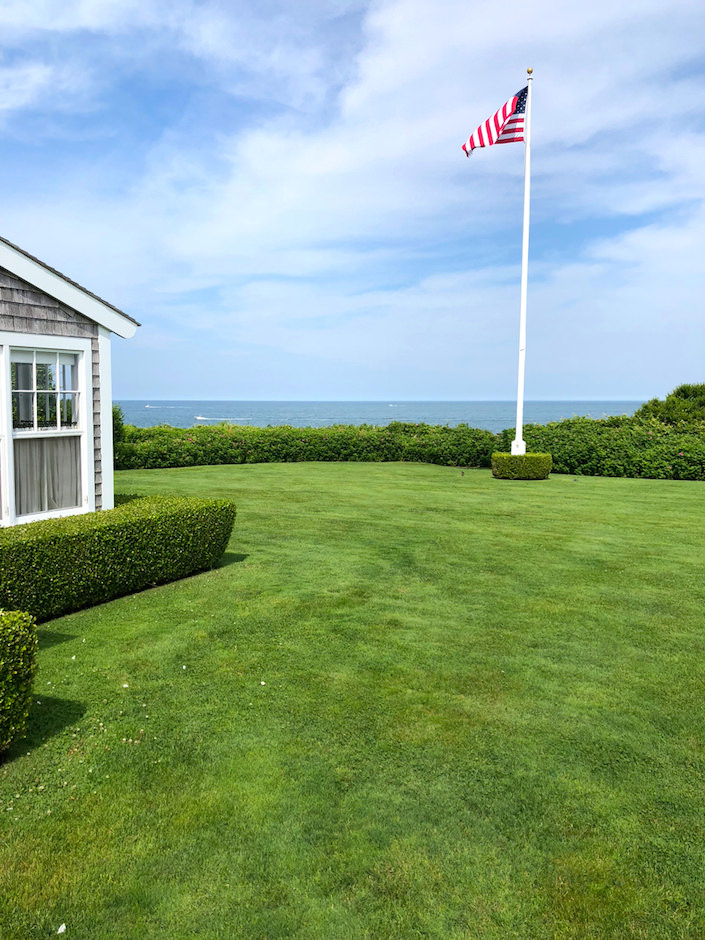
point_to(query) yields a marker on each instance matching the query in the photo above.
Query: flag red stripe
(503, 127)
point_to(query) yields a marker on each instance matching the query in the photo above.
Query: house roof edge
(57, 285)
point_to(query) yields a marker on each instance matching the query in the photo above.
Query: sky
(277, 191)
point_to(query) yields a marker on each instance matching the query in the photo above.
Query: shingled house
(56, 445)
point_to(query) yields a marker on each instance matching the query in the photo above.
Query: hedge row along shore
(61, 565)
(619, 447)
(163, 446)
(640, 446)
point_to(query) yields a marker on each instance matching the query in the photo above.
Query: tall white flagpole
(518, 444)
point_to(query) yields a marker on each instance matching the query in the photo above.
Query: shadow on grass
(49, 638)
(122, 498)
(231, 558)
(44, 722)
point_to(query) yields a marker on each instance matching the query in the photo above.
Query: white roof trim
(46, 279)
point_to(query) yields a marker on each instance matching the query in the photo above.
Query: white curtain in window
(47, 474)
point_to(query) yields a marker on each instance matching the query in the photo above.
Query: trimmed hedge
(57, 566)
(619, 447)
(521, 466)
(163, 446)
(18, 665)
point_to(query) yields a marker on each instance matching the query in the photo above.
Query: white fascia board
(69, 294)
(106, 419)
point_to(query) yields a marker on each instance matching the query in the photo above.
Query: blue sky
(277, 192)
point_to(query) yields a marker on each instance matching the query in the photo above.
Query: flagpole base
(518, 448)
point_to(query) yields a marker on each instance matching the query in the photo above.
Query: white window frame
(28, 342)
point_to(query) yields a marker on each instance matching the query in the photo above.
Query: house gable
(44, 314)
(25, 309)
(49, 282)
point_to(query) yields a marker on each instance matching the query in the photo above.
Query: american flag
(504, 127)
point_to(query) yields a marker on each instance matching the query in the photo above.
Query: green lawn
(411, 702)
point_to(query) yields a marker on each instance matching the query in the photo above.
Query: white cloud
(338, 218)
(65, 16)
(30, 84)
(254, 51)
(23, 85)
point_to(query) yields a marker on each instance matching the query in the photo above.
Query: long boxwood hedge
(18, 664)
(159, 447)
(60, 565)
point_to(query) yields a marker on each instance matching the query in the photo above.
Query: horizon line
(373, 401)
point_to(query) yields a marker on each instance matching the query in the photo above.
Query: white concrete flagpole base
(518, 448)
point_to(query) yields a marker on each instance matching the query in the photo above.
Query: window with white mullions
(48, 445)
(44, 390)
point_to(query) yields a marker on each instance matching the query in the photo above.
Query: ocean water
(490, 415)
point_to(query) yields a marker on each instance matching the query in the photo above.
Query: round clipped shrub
(521, 466)
(18, 664)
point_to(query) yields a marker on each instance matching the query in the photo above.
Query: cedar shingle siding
(24, 309)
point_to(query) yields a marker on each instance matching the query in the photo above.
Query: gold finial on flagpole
(530, 71)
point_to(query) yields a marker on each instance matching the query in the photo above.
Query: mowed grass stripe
(481, 717)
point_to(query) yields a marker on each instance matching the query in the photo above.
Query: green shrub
(619, 447)
(118, 425)
(685, 403)
(56, 566)
(18, 664)
(158, 447)
(521, 466)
